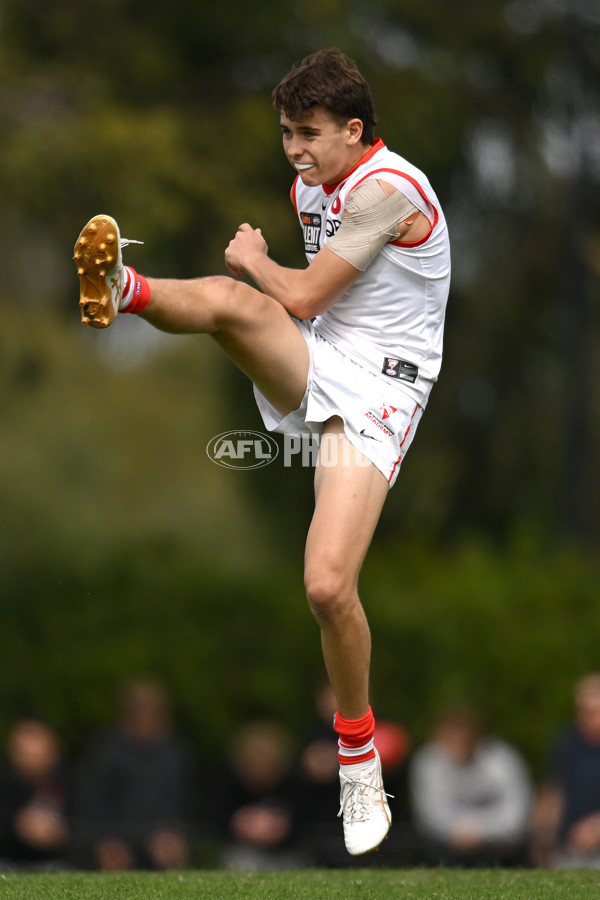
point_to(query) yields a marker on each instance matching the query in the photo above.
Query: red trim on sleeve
(415, 183)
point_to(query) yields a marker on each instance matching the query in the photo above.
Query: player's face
(319, 149)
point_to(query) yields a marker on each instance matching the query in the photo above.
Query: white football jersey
(392, 318)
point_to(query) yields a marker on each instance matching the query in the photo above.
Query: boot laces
(353, 798)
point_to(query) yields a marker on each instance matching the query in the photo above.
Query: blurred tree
(161, 115)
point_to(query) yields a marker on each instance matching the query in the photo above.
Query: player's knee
(233, 301)
(218, 292)
(327, 592)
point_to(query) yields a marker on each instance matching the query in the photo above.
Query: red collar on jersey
(375, 146)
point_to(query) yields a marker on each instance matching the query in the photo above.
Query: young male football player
(347, 348)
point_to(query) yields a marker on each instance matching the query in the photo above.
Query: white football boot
(364, 807)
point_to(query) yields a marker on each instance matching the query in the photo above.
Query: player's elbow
(302, 311)
(306, 305)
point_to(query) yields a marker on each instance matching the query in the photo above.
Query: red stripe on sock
(141, 294)
(354, 734)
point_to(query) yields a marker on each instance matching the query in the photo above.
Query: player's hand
(247, 242)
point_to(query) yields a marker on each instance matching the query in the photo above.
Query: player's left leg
(349, 495)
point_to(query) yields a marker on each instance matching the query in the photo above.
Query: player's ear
(355, 130)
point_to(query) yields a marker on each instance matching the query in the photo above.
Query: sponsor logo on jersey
(399, 368)
(311, 226)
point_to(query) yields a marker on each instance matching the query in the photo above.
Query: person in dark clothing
(135, 787)
(253, 807)
(566, 828)
(35, 797)
(316, 787)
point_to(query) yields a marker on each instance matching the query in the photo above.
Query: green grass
(347, 884)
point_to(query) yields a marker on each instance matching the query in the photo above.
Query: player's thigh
(349, 496)
(265, 343)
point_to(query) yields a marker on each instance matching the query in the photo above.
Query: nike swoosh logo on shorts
(370, 436)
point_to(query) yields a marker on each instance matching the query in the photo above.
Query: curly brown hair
(331, 80)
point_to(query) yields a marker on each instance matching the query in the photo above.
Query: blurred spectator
(317, 789)
(136, 786)
(566, 824)
(471, 795)
(253, 800)
(34, 798)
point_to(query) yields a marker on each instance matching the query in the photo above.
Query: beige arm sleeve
(370, 220)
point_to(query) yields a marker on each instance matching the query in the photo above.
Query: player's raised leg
(253, 329)
(349, 498)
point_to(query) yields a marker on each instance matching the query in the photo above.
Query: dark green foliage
(123, 548)
(126, 551)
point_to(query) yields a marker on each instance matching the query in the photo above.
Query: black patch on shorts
(399, 368)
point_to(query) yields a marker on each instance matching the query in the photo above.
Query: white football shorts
(380, 419)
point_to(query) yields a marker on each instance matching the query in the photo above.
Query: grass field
(354, 884)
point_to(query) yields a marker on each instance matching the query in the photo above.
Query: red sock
(355, 738)
(136, 292)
